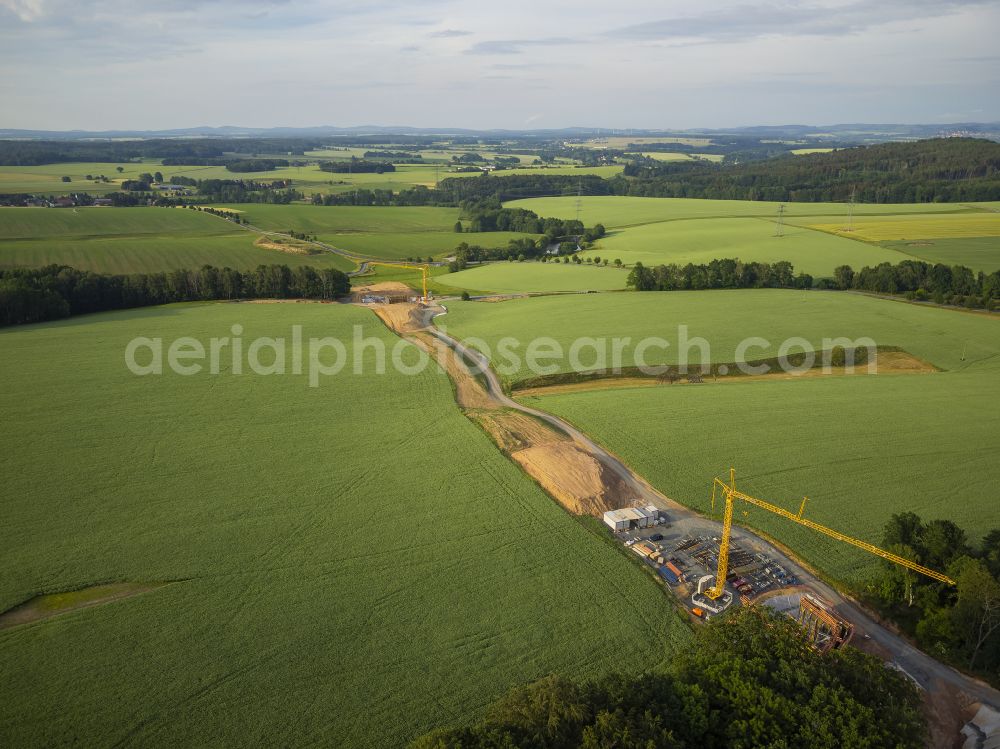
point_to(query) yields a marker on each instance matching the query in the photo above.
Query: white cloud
(25, 10)
(639, 63)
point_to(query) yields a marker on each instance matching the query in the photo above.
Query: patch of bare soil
(54, 604)
(287, 245)
(512, 430)
(945, 708)
(603, 383)
(405, 317)
(383, 286)
(577, 480)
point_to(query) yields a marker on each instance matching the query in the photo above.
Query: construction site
(709, 573)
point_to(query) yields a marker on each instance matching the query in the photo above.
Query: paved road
(921, 667)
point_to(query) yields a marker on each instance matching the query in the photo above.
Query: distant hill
(924, 171)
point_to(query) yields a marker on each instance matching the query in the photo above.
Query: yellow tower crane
(424, 272)
(731, 494)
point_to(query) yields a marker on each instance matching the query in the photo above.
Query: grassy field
(381, 232)
(46, 179)
(860, 447)
(514, 278)
(624, 141)
(616, 211)
(136, 240)
(725, 318)
(355, 563)
(901, 228)
(749, 239)
(978, 253)
(667, 230)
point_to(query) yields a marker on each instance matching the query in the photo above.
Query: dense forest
(750, 680)
(937, 170)
(57, 291)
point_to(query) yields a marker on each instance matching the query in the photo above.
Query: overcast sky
(121, 64)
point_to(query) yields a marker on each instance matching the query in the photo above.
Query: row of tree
(750, 679)
(960, 623)
(256, 165)
(356, 166)
(57, 291)
(178, 151)
(728, 273)
(943, 284)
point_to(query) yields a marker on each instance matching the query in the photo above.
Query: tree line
(356, 166)
(181, 151)
(256, 165)
(750, 679)
(937, 282)
(727, 273)
(56, 291)
(958, 623)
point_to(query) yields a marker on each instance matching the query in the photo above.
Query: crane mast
(730, 493)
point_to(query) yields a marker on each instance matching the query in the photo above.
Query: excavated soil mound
(405, 317)
(577, 480)
(383, 286)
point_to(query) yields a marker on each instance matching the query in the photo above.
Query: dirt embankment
(570, 474)
(888, 362)
(287, 245)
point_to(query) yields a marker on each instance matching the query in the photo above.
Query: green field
(375, 231)
(726, 317)
(618, 211)
(860, 447)
(514, 278)
(136, 240)
(46, 179)
(655, 231)
(356, 561)
(749, 239)
(978, 253)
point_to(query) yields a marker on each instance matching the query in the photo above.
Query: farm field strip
(619, 211)
(527, 277)
(918, 227)
(749, 239)
(137, 240)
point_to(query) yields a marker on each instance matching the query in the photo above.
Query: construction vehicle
(710, 597)
(424, 273)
